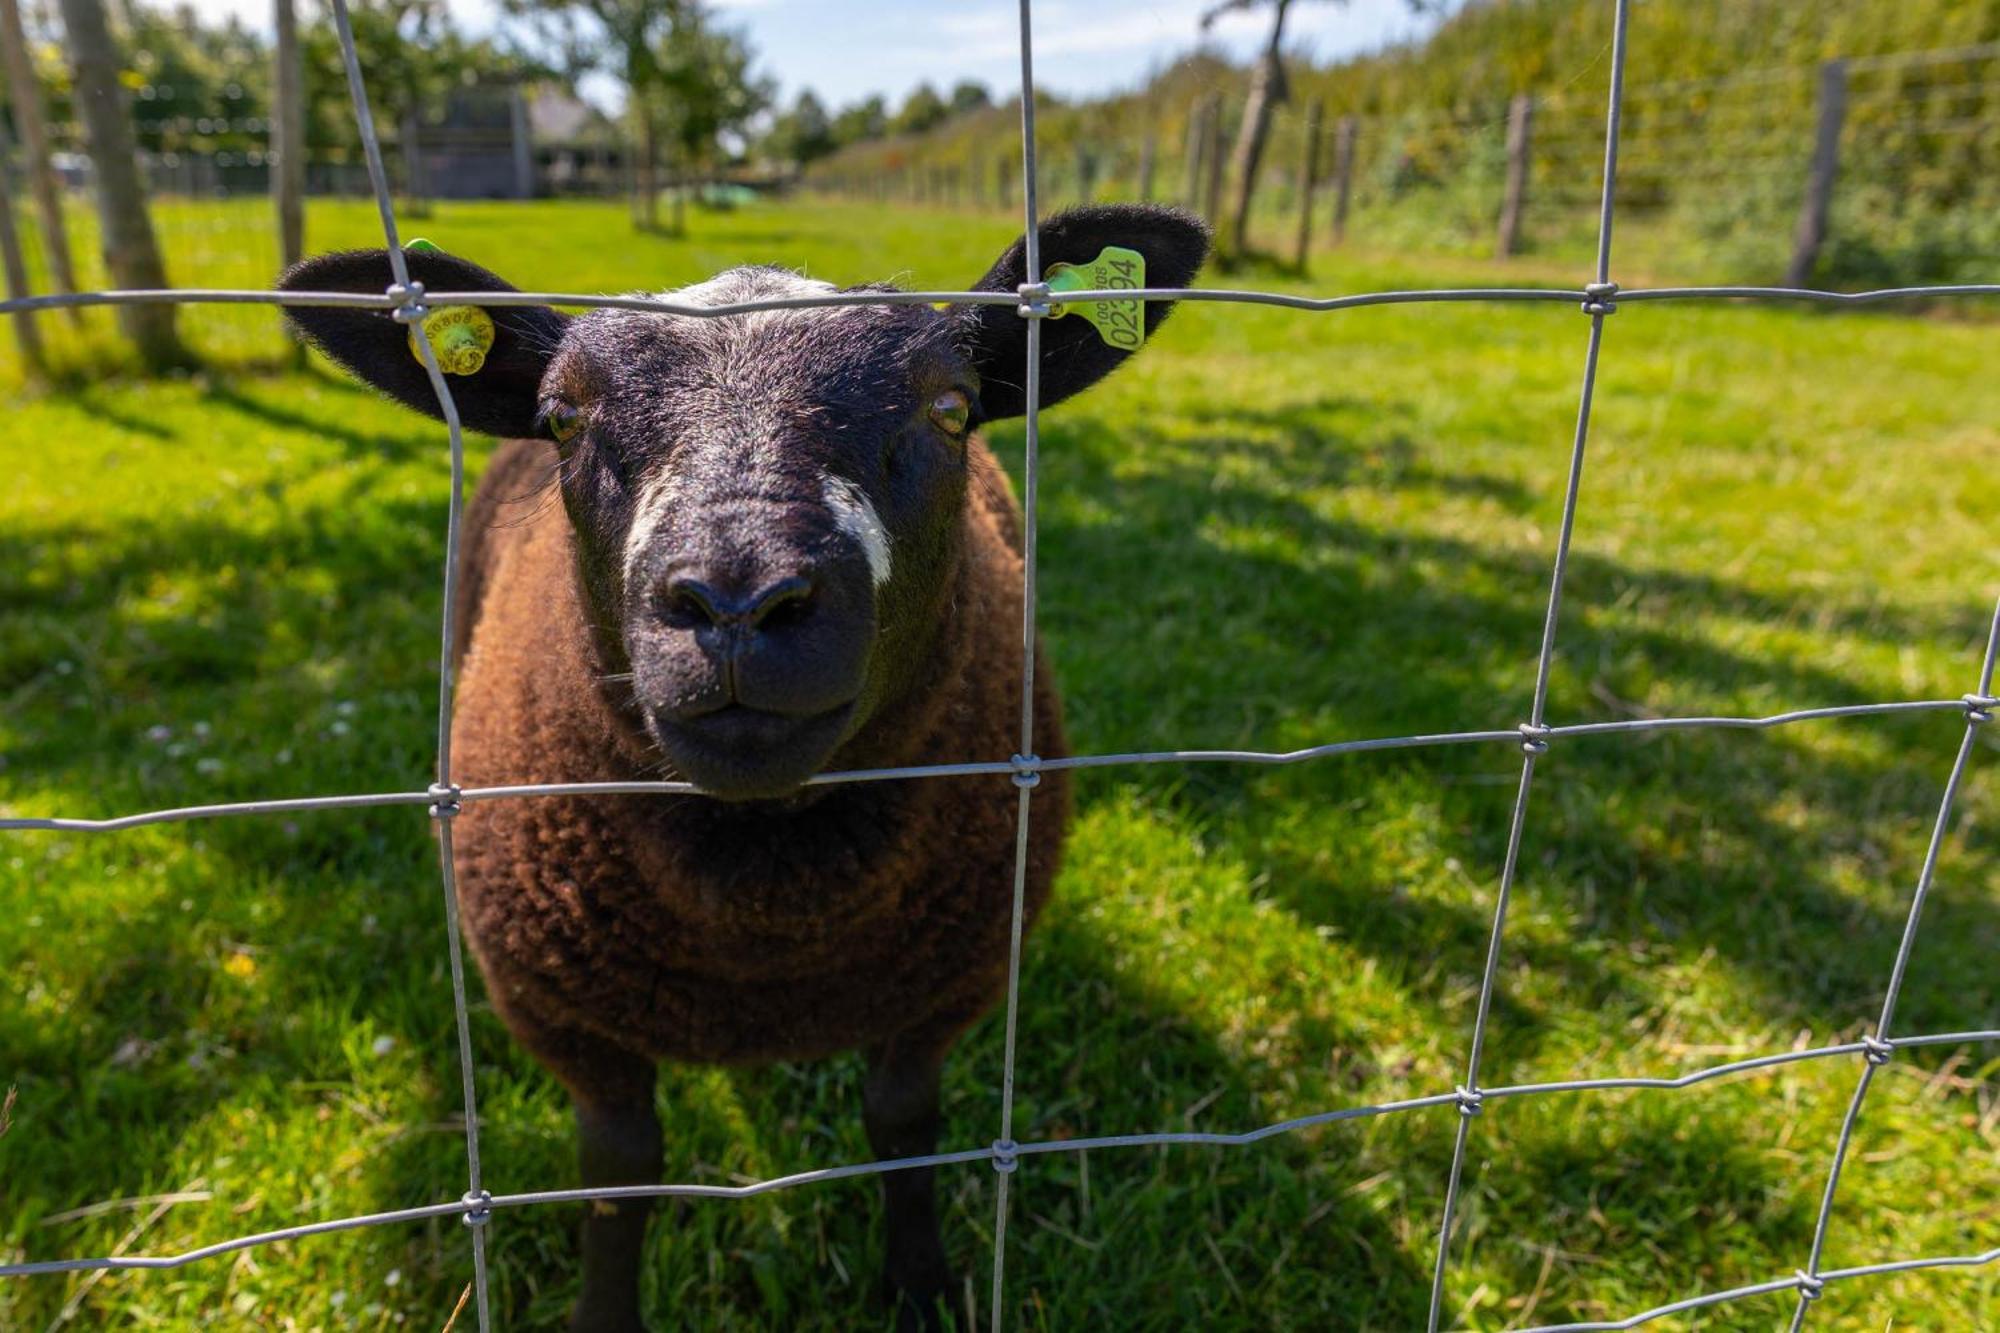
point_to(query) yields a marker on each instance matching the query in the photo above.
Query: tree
(412, 56)
(969, 95)
(131, 252)
(804, 134)
(705, 91)
(865, 120)
(621, 38)
(288, 133)
(1267, 91)
(923, 109)
(25, 94)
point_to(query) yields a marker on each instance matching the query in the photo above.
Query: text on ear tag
(460, 337)
(1122, 324)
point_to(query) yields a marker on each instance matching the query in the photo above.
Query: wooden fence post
(1818, 203)
(1086, 175)
(1003, 193)
(1343, 174)
(1308, 183)
(288, 138)
(1520, 128)
(25, 94)
(1147, 150)
(25, 332)
(1197, 148)
(1212, 187)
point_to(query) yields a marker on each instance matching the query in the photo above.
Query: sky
(846, 49)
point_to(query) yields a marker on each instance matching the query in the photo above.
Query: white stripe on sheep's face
(767, 509)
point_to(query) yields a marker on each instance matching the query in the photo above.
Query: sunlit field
(1274, 529)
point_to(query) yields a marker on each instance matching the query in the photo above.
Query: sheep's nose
(696, 603)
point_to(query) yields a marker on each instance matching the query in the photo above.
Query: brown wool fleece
(683, 928)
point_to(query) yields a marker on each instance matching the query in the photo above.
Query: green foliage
(1719, 120)
(1273, 529)
(921, 111)
(802, 135)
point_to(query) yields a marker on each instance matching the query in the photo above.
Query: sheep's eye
(564, 421)
(950, 411)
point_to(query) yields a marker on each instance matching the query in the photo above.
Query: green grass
(1275, 529)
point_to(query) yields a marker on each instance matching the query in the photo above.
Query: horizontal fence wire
(408, 302)
(1217, 295)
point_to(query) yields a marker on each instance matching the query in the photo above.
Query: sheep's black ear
(499, 398)
(1074, 356)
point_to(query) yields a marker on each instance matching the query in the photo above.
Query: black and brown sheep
(780, 549)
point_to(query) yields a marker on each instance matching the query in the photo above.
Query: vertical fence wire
(1534, 733)
(1879, 1047)
(444, 807)
(1034, 307)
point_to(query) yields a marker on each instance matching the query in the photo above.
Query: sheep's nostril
(782, 603)
(689, 603)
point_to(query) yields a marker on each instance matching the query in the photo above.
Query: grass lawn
(1275, 529)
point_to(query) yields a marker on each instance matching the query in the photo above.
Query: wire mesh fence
(1598, 300)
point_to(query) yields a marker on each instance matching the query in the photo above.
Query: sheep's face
(767, 509)
(767, 505)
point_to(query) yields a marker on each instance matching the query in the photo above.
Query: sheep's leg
(900, 1110)
(618, 1143)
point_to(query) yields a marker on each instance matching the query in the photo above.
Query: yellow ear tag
(1122, 324)
(460, 336)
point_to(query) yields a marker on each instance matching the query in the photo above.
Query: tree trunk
(1267, 90)
(288, 134)
(25, 95)
(131, 252)
(26, 335)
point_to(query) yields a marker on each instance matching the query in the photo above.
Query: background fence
(1598, 299)
(1718, 173)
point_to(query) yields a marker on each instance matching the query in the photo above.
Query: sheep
(781, 548)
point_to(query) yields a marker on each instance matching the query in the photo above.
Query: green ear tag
(460, 337)
(1122, 324)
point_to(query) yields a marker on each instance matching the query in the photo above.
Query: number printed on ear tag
(1122, 324)
(460, 337)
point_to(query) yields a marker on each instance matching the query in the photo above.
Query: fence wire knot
(1877, 1050)
(444, 799)
(1979, 708)
(479, 1208)
(1534, 738)
(1034, 301)
(1811, 1285)
(1597, 298)
(1006, 1156)
(1471, 1101)
(409, 299)
(1026, 771)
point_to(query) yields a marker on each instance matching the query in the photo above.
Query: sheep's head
(767, 506)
